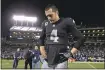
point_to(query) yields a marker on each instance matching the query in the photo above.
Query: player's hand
(71, 60)
(43, 52)
(68, 55)
(44, 56)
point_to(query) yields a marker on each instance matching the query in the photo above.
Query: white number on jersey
(54, 33)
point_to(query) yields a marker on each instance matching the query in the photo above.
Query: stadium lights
(37, 36)
(10, 36)
(27, 36)
(25, 18)
(14, 32)
(93, 30)
(102, 34)
(19, 38)
(98, 30)
(20, 18)
(93, 34)
(84, 31)
(83, 35)
(25, 28)
(88, 31)
(31, 19)
(40, 29)
(17, 28)
(98, 34)
(103, 30)
(32, 29)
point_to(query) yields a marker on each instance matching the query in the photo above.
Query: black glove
(46, 59)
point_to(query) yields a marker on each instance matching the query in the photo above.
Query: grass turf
(7, 64)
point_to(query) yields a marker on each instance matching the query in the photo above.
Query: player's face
(51, 15)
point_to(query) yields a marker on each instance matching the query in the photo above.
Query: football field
(7, 64)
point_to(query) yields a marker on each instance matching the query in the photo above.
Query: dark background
(89, 12)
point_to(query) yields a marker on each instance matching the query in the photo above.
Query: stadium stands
(20, 36)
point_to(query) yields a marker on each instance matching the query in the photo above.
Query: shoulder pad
(68, 18)
(71, 20)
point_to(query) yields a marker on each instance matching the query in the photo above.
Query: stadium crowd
(91, 53)
(86, 53)
(8, 52)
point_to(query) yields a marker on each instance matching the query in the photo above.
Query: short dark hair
(52, 6)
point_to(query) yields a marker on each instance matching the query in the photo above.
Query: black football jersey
(57, 33)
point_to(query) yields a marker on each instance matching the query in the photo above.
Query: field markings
(90, 62)
(91, 66)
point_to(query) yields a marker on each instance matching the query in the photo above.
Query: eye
(49, 15)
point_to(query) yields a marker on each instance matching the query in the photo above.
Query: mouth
(52, 20)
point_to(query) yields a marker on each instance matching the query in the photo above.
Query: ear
(57, 12)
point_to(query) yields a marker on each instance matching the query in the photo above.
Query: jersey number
(54, 36)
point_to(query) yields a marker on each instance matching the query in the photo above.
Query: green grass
(7, 64)
(86, 65)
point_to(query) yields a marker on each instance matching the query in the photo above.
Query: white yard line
(91, 66)
(90, 62)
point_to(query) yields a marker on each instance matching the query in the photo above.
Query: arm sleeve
(75, 32)
(43, 34)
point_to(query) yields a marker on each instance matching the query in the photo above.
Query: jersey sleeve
(43, 34)
(75, 32)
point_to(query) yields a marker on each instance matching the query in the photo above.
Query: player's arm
(76, 34)
(43, 52)
(41, 41)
